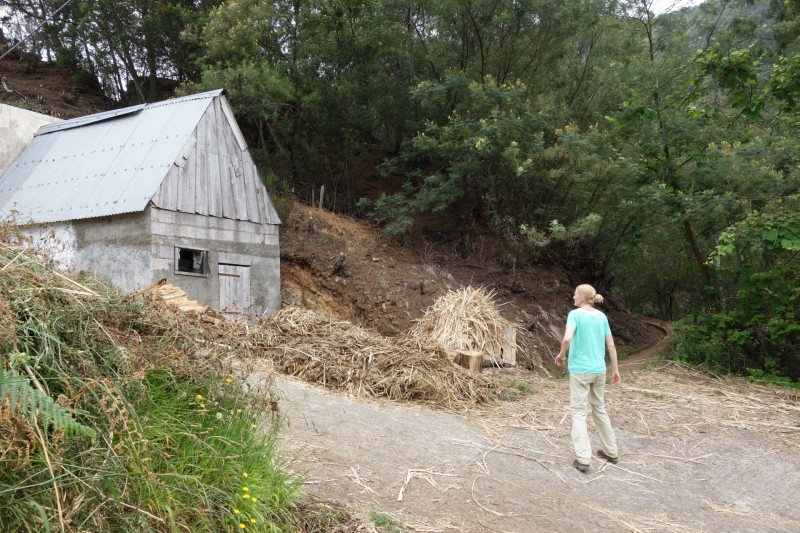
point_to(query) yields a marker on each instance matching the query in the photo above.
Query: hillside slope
(346, 268)
(50, 90)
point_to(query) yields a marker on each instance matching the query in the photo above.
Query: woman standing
(586, 339)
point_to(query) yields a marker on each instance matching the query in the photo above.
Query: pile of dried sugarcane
(465, 320)
(338, 354)
(344, 356)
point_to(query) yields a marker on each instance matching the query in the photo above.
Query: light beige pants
(589, 389)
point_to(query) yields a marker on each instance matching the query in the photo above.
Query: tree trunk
(709, 294)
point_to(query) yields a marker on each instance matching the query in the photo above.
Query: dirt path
(509, 470)
(648, 353)
(698, 454)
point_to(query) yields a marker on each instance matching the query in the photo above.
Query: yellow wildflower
(199, 396)
(244, 474)
(202, 406)
(245, 489)
(252, 520)
(236, 511)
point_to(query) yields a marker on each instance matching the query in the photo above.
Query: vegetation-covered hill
(655, 156)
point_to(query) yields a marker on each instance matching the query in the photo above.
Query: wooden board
(470, 360)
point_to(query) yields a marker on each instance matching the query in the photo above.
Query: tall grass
(175, 444)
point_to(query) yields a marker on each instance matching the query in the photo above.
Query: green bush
(757, 261)
(699, 342)
(124, 422)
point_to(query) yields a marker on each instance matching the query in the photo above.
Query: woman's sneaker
(604, 455)
(580, 466)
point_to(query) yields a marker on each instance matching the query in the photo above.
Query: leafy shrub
(699, 341)
(758, 259)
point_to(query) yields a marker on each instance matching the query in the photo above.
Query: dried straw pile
(341, 355)
(466, 319)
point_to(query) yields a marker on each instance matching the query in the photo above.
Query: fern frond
(29, 401)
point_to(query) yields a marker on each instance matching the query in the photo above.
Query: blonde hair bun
(589, 294)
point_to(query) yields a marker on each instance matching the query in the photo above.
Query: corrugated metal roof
(99, 165)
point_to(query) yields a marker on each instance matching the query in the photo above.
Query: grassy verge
(117, 416)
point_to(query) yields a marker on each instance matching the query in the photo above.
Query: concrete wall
(17, 127)
(57, 242)
(134, 250)
(228, 241)
(116, 248)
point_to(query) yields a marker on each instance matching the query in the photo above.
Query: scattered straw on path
(668, 399)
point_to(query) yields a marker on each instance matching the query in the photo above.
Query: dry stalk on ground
(671, 400)
(335, 353)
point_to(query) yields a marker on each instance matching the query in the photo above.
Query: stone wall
(132, 251)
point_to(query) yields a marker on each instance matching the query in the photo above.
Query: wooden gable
(215, 175)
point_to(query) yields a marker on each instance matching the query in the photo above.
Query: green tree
(348, 67)
(130, 47)
(759, 258)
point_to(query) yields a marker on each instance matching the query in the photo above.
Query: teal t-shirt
(587, 350)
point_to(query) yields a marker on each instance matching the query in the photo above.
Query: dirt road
(697, 454)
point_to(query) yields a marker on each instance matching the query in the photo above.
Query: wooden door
(234, 290)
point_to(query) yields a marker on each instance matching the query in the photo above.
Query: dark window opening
(191, 261)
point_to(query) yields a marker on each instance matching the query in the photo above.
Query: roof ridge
(115, 113)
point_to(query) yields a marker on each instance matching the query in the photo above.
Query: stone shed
(160, 190)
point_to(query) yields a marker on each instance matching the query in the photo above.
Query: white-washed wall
(17, 127)
(117, 248)
(57, 243)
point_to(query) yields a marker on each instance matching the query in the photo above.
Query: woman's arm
(561, 358)
(612, 353)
